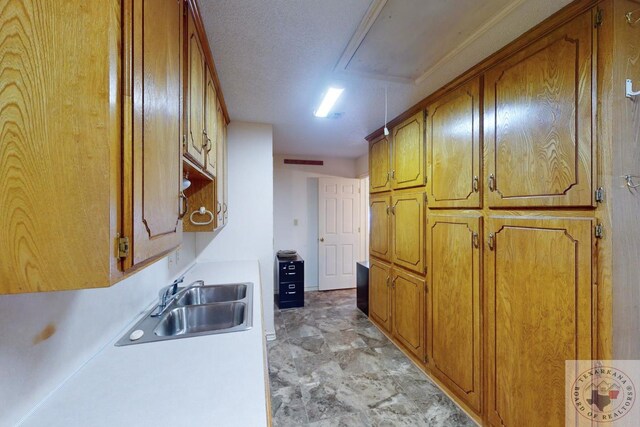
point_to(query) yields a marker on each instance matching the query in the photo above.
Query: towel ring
(202, 211)
(629, 182)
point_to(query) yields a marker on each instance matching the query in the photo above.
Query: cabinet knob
(492, 183)
(475, 184)
(322, 239)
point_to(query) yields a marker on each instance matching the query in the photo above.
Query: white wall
(295, 193)
(362, 165)
(82, 321)
(249, 232)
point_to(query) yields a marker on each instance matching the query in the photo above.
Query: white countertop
(214, 380)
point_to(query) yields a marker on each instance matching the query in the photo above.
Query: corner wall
(249, 233)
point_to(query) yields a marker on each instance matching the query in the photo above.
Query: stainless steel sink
(204, 310)
(212, 293)
(195, 319)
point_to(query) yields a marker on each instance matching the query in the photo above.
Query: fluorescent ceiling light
(328, 102)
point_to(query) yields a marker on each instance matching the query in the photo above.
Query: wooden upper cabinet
(408, 311)
(221, 176)
(380, 165)
(196, 140)
(454, 328)
(380, 229)
(538, 309)
(61, 131)
(211, 124)
(380, 293)
(408, 218)
(539, 112)
(453, 148)
(408, 153)
(153, 180)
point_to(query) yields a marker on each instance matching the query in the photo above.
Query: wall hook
(629, 87)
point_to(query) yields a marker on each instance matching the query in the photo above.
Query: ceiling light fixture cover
(328, 102)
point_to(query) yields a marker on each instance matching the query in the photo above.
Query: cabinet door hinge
(123, 247)
(600, 195)
(599, 231)
(599, 18)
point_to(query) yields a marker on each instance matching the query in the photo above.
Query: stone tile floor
(330, 366)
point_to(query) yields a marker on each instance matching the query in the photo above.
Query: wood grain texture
(155, 148)
(210, 124)
(407, 314)
(408, 153)
(60, 131)
(407, 223)
(538, 314)
(538, 124)
(380, 293)
(453, 148)
(380, 165)
(195, 94)
(454, 328)
(380, 226)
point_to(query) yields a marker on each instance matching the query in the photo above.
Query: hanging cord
(386, 131)
(629, 16)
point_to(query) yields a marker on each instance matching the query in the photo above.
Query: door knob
(322, 239)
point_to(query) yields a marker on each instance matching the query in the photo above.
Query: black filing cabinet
(290, 282)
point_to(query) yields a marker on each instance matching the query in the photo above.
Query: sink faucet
(170, 293)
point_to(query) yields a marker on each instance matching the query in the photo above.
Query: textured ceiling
(276, 57)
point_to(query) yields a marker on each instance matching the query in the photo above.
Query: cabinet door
(408, 311)
(538, 122)
(380, 293)
(211, 125)
(453, 148)
(380, 232)
(453, 323)
(408, 153)
(195, 95)
(380, 165)
(156, 130)
(60, 134)
(538, 314)
(221, 176)
(407, 219)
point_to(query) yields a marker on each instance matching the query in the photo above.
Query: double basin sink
(201, 310)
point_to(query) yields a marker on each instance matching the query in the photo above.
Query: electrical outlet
(178, 256)
(295, 221)
(170, 260)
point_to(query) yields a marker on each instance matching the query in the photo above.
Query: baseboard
(271, 336)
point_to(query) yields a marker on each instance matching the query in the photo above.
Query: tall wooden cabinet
(380, 293)
(539, 314)
(408, 153)
(454, 322)
(196, 132)
(380, 165)
(380, 226)
(526, 206)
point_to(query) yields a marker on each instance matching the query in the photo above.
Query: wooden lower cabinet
(538, 314)
(380, 293)
(407, 314)
(454, 328)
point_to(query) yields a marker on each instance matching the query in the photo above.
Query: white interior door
(338, 232)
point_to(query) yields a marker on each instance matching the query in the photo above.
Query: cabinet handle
(388, 209)
(393, 210)
(393, 174)
(184, 205)
(490, 241)
(225, 208)
(475, 184)
(393, 282)
(388, 281)
(492, 183)
(218, 207)
(475, 241)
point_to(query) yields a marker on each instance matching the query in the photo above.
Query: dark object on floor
(362, 281)
(290, 281)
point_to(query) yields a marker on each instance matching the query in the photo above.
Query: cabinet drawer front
(453, 148)
(538, 314)
(291, 291)
(408, 153)
(538, 122)
(293, 272)
(453, 336)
